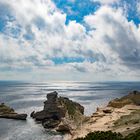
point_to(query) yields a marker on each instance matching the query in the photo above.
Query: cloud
(36, 39)
(120, 38)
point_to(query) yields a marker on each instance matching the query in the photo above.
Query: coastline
(41, 103)
(112, 119)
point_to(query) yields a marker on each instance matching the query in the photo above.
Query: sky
(70, 40)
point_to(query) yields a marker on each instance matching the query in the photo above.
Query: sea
(26, 97)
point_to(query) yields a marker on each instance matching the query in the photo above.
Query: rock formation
(59, 113)
(9, 113)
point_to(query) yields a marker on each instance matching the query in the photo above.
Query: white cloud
(119, 38)
(109, 48)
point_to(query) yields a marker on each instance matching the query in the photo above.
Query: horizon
(60, 81)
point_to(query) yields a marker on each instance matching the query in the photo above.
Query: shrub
(100, 135)
(109, 135)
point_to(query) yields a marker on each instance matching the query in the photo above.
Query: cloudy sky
(87, 40)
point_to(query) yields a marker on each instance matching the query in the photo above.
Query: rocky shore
(120, 115)
(66, 116)
(9, 113)
(63, 115)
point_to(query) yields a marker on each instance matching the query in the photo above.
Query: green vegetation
(133, 136)
(100, 135)
(108, 135)
(69, 105)
(5, 109)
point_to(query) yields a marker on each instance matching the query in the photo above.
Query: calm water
(26, 97)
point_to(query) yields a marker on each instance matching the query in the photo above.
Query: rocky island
(9, 113)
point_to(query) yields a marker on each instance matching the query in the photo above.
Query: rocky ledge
(59, 113)
(9, 113)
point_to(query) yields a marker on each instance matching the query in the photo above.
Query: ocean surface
(26, 97)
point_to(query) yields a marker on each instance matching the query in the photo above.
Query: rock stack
(56, 109)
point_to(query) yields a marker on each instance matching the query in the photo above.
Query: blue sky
(79, 8)
(88, 40)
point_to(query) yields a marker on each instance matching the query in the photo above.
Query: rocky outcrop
(131, 98)
(59, 112)
(9, 113)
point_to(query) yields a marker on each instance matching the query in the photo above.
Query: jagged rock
(131, 98)
(55, 109)
(32, 114)
(9, 113)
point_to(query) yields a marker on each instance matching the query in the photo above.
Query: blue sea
(26, 97)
